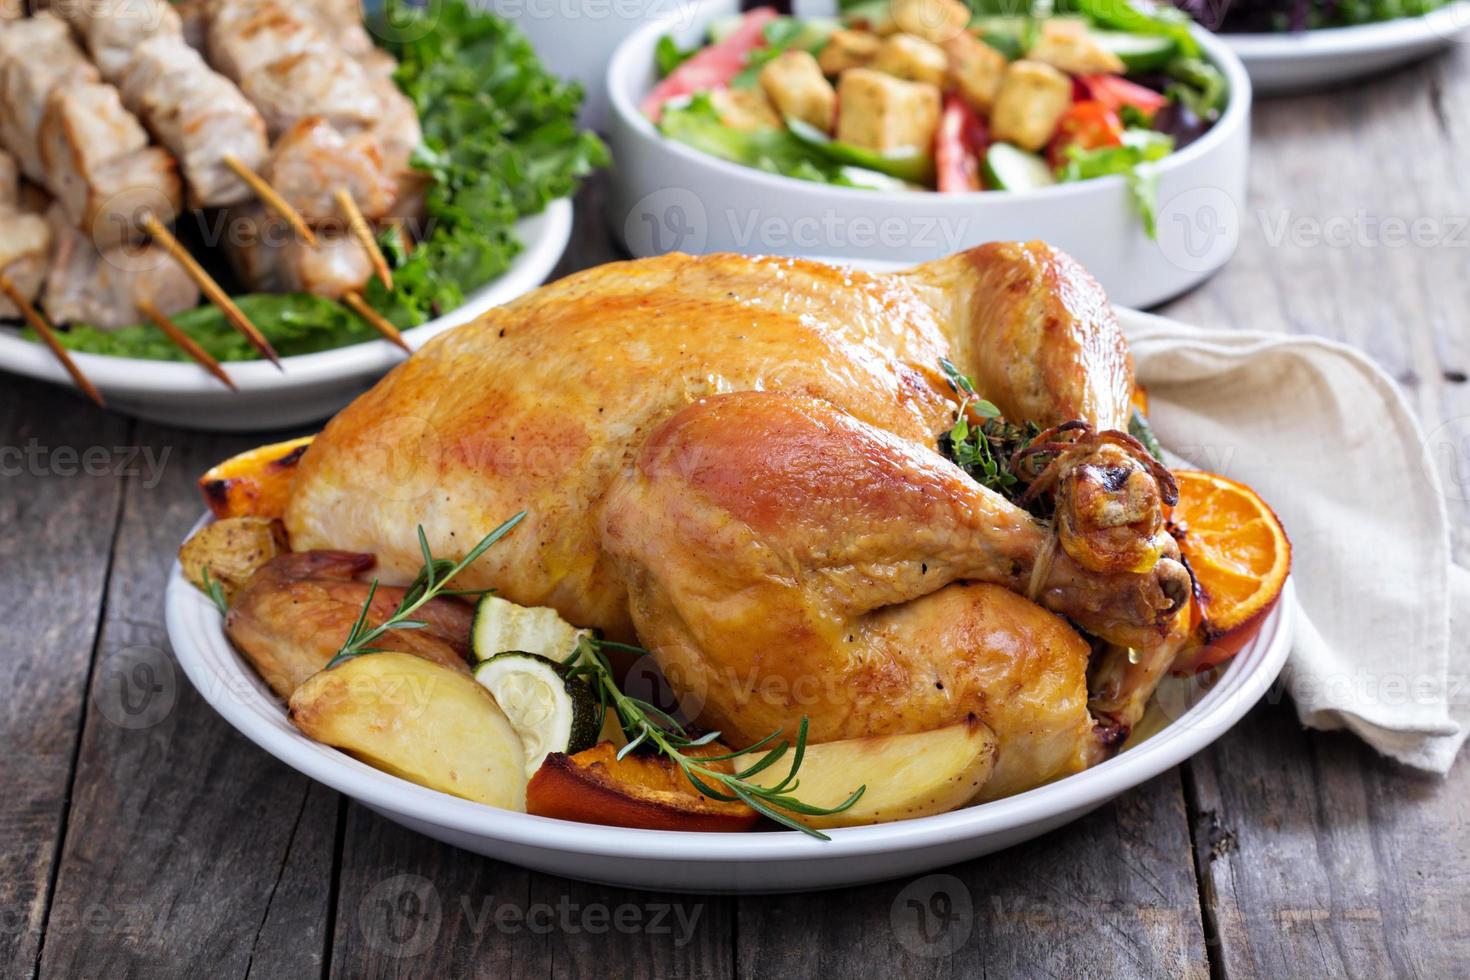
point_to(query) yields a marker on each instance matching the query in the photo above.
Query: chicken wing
(1034, 330)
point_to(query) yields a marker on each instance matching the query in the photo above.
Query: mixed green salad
(1267, 16)
(500, 141)
(944, 96)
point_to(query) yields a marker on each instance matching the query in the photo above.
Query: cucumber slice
(872, 180)
(1010, 168)
(1138, 52)
(916, 166)
(500, 625)
(550, 711)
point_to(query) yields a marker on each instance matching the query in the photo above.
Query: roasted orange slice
(1239, 554)
(644, 791)
(255, 483)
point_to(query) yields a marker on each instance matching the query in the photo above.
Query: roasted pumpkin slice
(644, 791)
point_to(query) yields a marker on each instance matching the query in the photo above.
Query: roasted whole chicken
(735, 461)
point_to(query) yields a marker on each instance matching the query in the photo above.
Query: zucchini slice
(550, 711)
(501, 625)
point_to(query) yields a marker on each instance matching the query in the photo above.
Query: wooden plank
(412, 907)
(60, 482)
(189, 852)
(1320, 858)
(1111, 895)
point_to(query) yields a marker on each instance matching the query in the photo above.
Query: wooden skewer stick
(404, 238)
(375, 319)
(271, 198)
(364, 233)
(38, 323)
(211, 289)
(184, 342)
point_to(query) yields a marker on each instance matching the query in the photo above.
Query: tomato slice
(714, 66)
(959, 146)
(1089, 125)
(1116, 92)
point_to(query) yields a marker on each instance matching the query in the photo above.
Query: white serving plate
(670, 197)
(1186, 717)
(1279, 64)
(312, 386)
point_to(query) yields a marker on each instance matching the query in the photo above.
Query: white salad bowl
(1279, 64)
(1186, 716)
(671, 197)
(309, 386)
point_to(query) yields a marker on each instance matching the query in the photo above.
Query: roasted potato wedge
(905, 775)
(644, 791)
(255, 483)
(419, 720)
(231, 551)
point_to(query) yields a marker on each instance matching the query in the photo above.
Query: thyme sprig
(984, 449)
(646, 724)
(432, 581)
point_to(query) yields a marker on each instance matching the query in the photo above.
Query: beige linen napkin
(1326, 437)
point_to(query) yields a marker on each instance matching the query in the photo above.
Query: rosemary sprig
(647, 724)
(431, 582)
(216, 593)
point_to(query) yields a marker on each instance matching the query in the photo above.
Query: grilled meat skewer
(73, 135)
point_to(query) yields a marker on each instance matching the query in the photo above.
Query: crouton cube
(745, 109)
(883, 113)
(1032, 99)
(936, 21)
(1067, 45)
(847, 49)
(794, 82)
(976, 69)
(913, 59)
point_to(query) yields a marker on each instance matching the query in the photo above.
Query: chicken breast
(312, 159)
(37, 56)
(25, 248)
(269, 257)
(246, 35)
(321, 82)
(114, 29)
(25, 239)
(103, 287)
(198, 114)
(100, 167)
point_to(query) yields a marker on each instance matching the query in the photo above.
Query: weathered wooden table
(159, 843)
